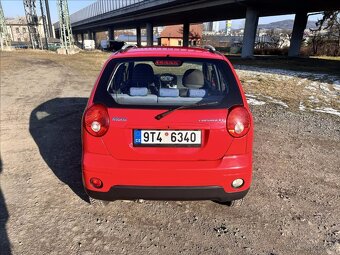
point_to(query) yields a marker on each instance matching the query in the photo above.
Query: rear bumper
(167, 180)
(167, 193)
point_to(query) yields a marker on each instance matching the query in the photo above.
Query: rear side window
(159, 83)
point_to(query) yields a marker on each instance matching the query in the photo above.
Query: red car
(167, 123)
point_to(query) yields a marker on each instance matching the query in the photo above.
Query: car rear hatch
(215, 139)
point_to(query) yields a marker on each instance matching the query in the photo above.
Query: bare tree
(325, 38)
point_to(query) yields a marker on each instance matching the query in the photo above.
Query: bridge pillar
(186, 29)
(139, 36)
(111, 33)
(149, 34)
(89, 35)
(82, 40)
(95, 39)
(299, 27)
(252, 19)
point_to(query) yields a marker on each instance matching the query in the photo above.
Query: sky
(14, 8)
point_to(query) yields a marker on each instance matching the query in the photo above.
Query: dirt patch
(292, 208)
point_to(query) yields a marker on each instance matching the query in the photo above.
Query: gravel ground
(293, 206)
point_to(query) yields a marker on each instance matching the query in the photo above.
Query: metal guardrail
(102, 7)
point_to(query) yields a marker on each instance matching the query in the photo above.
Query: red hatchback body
(167, 123)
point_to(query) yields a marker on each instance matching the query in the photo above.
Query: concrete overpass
(109, 15)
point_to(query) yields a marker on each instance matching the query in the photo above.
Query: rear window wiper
(162, 115)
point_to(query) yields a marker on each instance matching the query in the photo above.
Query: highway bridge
(110, 15)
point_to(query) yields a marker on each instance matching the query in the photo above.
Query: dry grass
(327, 65)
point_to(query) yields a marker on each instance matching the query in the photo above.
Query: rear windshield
(157, 83)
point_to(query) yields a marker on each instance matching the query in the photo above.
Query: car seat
(142, 75)
(193, 81)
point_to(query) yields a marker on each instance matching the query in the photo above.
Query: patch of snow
(327, 110)
(315, 76)
(253, 101)
(312, 86)
(321, 90)
(250, 95)
(276, 101)
(302, 107)
(336, 85)
(324, 86)
(313, 99)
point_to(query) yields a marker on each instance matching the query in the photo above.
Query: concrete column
(186, 30)
(75, 38)
(82, 40)
(111, 33)
(149, 34)
(139, 36)
(299, 27)
(252, 19)
(89, 35)
(95, 39)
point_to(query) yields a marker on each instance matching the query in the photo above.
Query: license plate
(184, 138)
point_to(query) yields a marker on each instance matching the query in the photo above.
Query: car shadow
(5, 246)
(56, 128)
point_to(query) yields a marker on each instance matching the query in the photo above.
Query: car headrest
(193, 78)
(137, 91)
(197, 93)
(165, 92)
(142, 75)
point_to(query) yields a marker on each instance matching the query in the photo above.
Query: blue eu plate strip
(137, 137)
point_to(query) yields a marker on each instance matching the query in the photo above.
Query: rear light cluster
(238, 122)
(96, 120)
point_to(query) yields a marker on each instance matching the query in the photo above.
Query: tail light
(96, 120)
(238, 121)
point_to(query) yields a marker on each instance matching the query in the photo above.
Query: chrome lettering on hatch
(212, 120)
(119, 119)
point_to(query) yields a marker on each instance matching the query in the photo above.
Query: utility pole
(50, 29)
(5, 37)
(32, 22)
(43, 17)
(66, 37)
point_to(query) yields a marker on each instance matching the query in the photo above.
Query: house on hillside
(173, 35)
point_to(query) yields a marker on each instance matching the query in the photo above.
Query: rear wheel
(98, 203)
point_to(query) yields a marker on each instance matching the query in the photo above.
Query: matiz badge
(119, 119)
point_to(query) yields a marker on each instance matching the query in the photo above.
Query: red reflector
(97, 183)
(167, 62)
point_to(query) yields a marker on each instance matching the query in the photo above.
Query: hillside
(284, 24)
